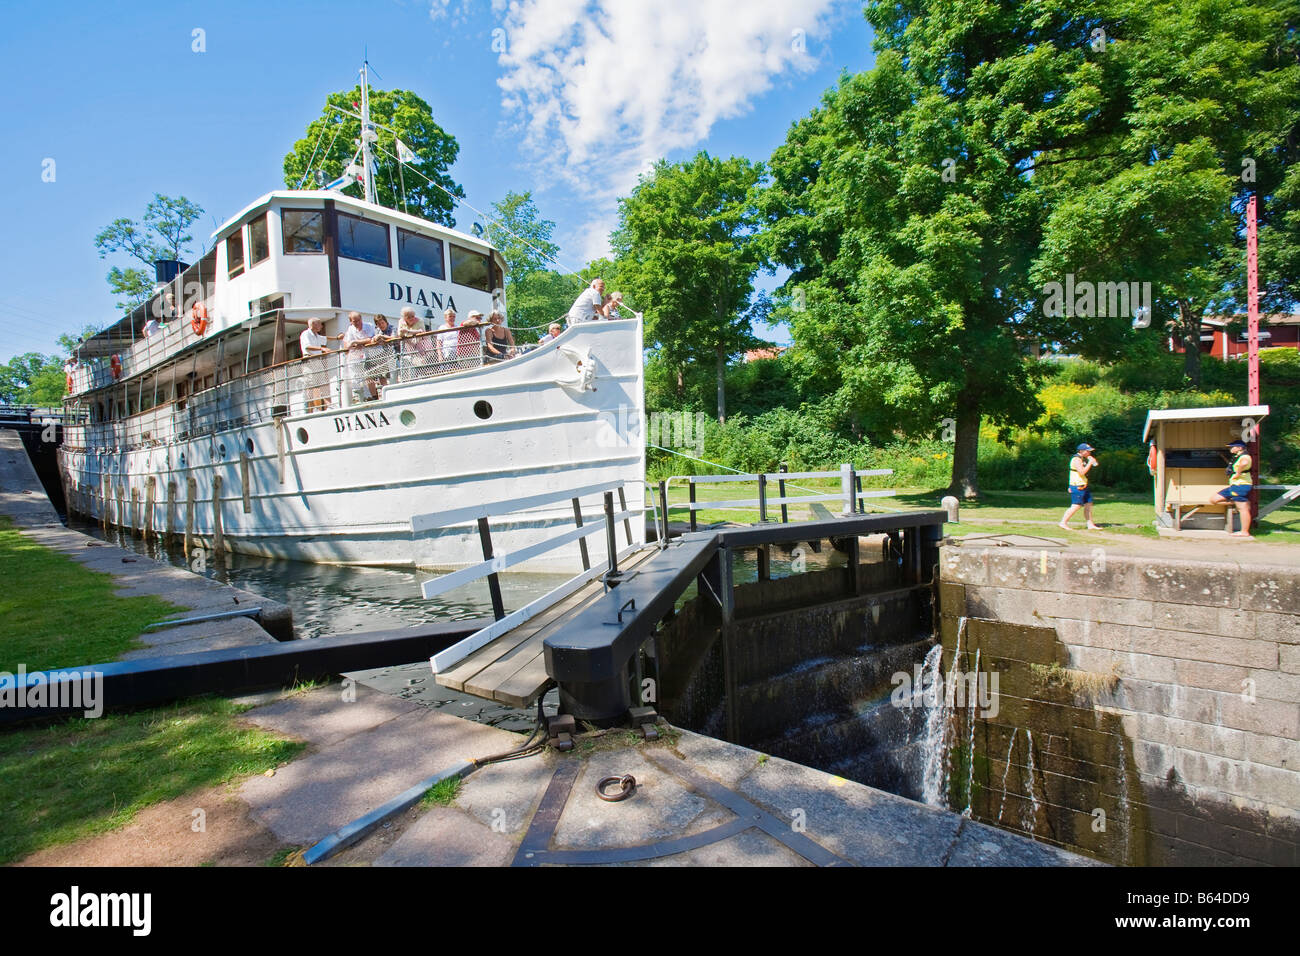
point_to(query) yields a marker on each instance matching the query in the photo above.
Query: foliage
(32, 379)
(993, 147)
(684, 253)
(330, 145)
(162, 233)
(535, 294)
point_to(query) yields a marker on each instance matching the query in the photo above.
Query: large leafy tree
(536, 294)
(685, 254)
(421, 187)
(997, 146)
(162, 233)
(32, 379)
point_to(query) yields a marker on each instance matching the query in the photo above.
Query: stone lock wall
(1164, 694)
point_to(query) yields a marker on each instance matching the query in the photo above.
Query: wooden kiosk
(1191, 455)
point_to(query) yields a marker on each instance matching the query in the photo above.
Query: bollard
(950, 505)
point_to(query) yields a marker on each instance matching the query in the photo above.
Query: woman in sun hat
(1080, 494)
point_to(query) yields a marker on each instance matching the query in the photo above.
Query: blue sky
(568, 98)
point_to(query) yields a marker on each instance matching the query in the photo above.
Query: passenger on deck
(610, 309)
(468, 348)
(315, 349)
(152, 328)
(447, 349)
(498, 340)
(356, 337)
(551, 333)
(417, 350)
(587, 307)
(380, 357)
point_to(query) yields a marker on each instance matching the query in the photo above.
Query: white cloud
(600, 87)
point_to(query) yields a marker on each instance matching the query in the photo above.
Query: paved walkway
(23, 500)
(366, 751)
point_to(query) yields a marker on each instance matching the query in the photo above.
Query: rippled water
(343, 600)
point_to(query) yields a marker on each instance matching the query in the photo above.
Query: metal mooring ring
(627, 784)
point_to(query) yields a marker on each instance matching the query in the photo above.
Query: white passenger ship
(215, 429)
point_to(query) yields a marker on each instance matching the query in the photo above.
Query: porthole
(249, 445)
(182, 459)
(407, 417)
(302, 435)
(482, 409)
(221, 451)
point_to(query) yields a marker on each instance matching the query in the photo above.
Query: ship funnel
(165, 270)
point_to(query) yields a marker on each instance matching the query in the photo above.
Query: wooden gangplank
(511, 670)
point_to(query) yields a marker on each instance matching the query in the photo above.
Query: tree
(70, 342)
(684, 253)
(333, 139)
(161, 234)
(32, 379)
(996, 147)
(535, 294)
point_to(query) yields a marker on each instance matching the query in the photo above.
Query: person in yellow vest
(1080, 494)
(1239, 484)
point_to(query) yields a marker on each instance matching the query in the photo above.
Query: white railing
(850, 494)
(492, 563)
(336, 379)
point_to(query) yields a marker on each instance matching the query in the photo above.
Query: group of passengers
(374, 350)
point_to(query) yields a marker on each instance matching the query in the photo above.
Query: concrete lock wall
(1148, 711)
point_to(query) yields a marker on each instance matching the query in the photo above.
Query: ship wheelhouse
(225, 321)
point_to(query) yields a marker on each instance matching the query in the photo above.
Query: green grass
(58, 613)
(81, 777)
(998, 512)
(441, 794)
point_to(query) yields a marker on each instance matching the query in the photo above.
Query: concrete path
(367, 751)
(23, 500)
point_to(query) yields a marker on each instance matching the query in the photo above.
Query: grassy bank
(58, 613)
(81, 777)
(1025, 512)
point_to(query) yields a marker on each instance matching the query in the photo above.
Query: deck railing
(337, 379)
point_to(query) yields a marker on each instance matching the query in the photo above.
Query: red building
(1224, 336)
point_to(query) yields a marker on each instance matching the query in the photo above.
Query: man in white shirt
(152, 328)
(587, 307)
(315, 346)
(551, 333)
(356, 337)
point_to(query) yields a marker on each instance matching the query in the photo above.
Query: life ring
(69, 388)
(199, 318)
(115, 365)
(1151, 459)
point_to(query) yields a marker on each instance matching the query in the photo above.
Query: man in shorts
(1080, 494)
(1239, 484)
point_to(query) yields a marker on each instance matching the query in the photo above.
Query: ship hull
(340, 486)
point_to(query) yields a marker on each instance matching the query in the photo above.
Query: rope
(307, 171)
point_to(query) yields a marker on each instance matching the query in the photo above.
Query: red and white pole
(1252, 353)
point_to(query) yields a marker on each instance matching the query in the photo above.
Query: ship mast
(368, 135)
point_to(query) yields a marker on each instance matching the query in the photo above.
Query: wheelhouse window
(417, 253)
(469, 268)
(235, 254)
(363, 240)
(259, 244)
(304, 231)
